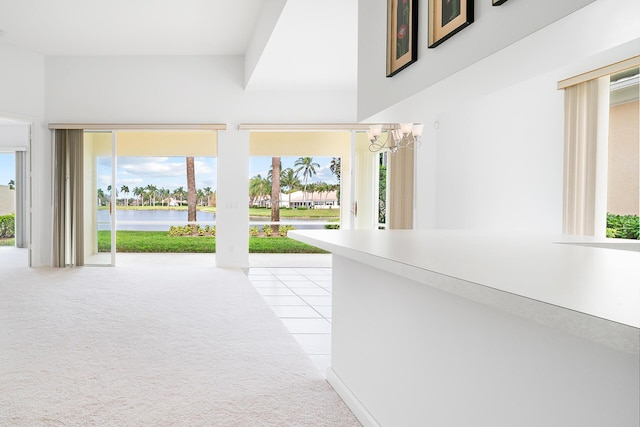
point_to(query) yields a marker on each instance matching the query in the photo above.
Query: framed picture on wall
(498, 2)
(402, 33)
(448, 17)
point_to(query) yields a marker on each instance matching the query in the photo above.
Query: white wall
(14, 137)
(494, 28)
(21, 82)
(495, 160)
(177, 89)
(500, 160)
(269, 16)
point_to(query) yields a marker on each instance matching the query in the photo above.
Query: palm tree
(179, 193)
(12, 185)
(336, 188)
(164, 194)
(100, 196)
(336, 166)
(289, 180)
(109, 190)
(213, 198)
(308, 168)
(207, 194)
(258, 187)
(152, 193)
(124, 189)
(312, 188)
(336, 169)
(139, 191)
(191, 190)
(324, 188)
(200, 196)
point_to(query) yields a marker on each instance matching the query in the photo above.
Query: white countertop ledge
(588, 291)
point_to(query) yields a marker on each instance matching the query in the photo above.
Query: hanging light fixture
(400, 135)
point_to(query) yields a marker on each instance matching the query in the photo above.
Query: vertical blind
(580, 149)
(401, 183)
(68, 208)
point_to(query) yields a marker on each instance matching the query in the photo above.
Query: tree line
(151, 195)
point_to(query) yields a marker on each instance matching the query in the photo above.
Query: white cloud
(163, 172)
(324, 174)
(154, 168)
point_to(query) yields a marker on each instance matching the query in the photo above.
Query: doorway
(15, 141)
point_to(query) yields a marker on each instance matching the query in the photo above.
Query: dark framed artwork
(498, 2)
(402, 33)
(448, 17)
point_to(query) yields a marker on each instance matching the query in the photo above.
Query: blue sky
(7, 168)
(170, 172)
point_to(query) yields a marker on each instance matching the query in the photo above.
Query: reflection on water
(161, 220)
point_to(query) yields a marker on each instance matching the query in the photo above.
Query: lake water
(161, 220)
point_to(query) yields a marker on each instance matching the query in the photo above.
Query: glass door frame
(95, 227)
(114, 196)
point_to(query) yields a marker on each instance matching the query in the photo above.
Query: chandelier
(400, 135)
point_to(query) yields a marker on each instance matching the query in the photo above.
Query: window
(601, 148)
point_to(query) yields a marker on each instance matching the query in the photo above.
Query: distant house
(312, 200)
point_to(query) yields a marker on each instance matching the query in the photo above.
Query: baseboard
(358, 409)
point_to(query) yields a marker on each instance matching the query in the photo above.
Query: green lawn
(298, 213)
(160, 241)
(8, 242)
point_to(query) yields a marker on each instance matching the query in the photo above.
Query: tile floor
(301, 297)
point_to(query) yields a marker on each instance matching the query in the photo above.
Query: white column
(41, 203)
(232, 212)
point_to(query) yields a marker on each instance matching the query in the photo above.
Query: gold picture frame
(402, 33)
(448, 17)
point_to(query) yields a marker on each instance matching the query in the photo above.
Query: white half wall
(408, 354)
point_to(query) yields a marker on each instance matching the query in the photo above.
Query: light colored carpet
(150, 345)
